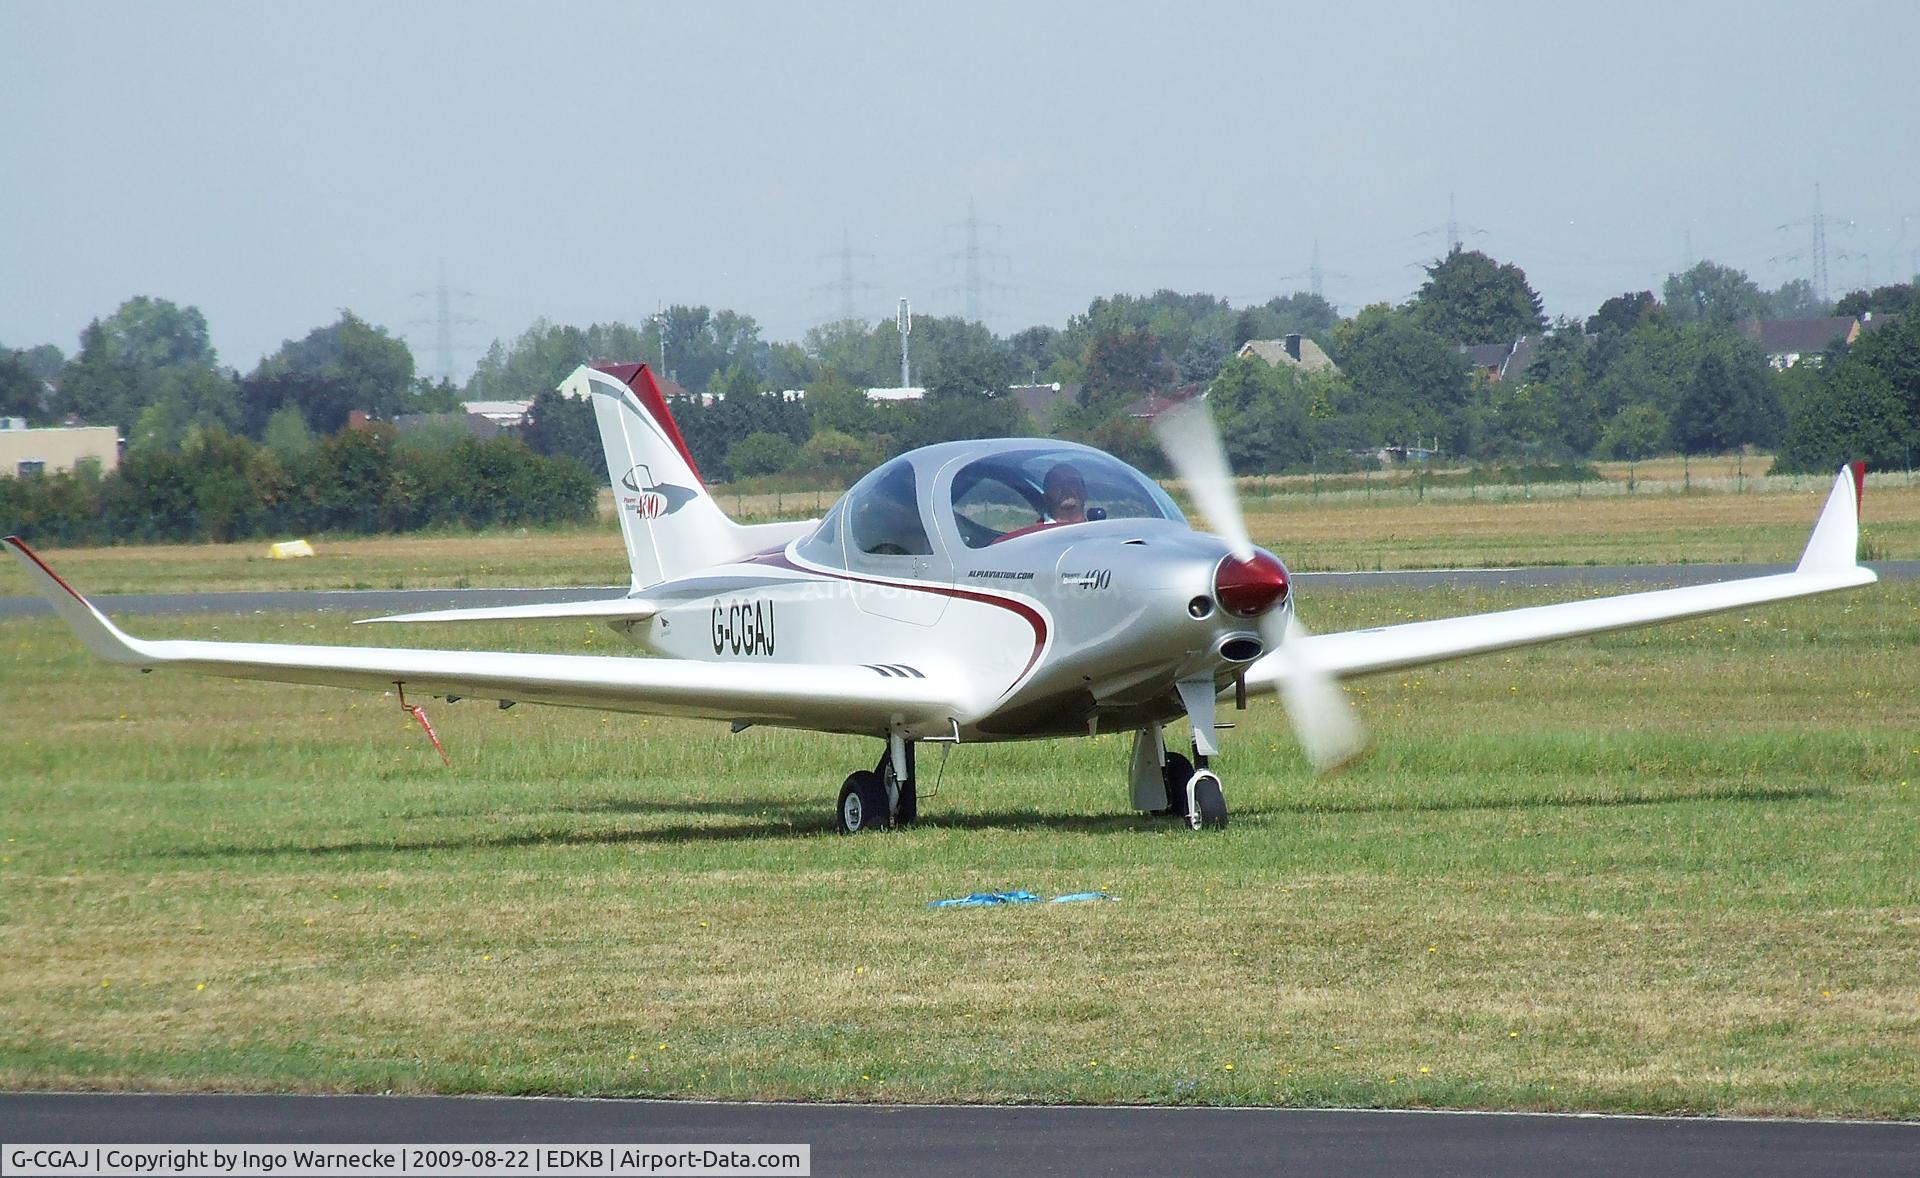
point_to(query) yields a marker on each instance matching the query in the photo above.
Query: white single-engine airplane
(970, 591)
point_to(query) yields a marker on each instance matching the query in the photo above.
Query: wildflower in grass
(200, 987)
(1425, 1070)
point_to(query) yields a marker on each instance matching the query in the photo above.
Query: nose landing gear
(1168, 785)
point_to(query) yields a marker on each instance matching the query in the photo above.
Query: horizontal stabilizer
(618, 609)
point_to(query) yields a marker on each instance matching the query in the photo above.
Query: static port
(1200, 606)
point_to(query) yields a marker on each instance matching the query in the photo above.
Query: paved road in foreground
(369, 603)
(972, 1141)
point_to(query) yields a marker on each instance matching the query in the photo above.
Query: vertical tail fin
(671, 525)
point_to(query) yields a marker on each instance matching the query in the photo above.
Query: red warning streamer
(420, 714)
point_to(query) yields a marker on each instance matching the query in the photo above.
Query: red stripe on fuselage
(778, 558)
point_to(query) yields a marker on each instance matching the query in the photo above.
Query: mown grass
(1312, 532)
(1666, 871)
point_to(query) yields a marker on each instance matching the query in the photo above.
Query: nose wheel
(1206, 803)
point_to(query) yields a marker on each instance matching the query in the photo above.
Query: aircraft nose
(1249, 588)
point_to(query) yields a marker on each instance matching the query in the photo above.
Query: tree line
(1646, 373)
(220, 487)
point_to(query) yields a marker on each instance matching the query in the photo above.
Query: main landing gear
(887, 794)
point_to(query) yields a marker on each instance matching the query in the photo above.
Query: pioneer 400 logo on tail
(651, 500)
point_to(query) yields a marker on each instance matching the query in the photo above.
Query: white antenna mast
(903, 319)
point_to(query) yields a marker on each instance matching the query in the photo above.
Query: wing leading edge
(1829, 564)
(825, 698)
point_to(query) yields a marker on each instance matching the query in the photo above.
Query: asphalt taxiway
(374, 602)
(972, 1141)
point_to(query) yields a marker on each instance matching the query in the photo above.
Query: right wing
(856, 699)
(1829, 564)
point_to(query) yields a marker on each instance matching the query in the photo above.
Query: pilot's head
(1066, 494)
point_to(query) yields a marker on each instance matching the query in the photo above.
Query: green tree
(21, 391)
(1852, 413)
(348, 364)
(862, 355)
(1121, 366)
(1635, 433)
(831, 454)
(1622, 313)
(1263, 415)
(1469, 298)
(563, 426)
(1711, 293)
(1560, 369)
(834, 405)
(963, 359)
(702, 343)
(1404, 381)
(1796, 299)
(1514, 419)
(287, 434)
(547, 353)
(761, 453)
(1730, 402)
(162, 425)
(1897, 299)
(152, 333)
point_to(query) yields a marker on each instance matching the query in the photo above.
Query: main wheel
(1209, 802)
(908, 811)
(1174, 775)
(863, 803)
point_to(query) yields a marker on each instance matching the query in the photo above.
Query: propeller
(1329, 733)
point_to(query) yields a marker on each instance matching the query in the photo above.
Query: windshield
(883, 513)
(1019, 491)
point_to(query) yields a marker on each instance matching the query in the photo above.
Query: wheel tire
(1173, 775)
(863, 803)
(908, 811)
(1211, 801)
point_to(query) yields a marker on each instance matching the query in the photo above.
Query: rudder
(671, 525)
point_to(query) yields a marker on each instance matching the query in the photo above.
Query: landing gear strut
(1190, 789)
(872, 799)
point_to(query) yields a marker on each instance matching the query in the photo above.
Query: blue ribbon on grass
(989, 899)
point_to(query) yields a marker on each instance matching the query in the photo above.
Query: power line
(846, 284)
(443, 322)
(1818, 222)
(974, 254)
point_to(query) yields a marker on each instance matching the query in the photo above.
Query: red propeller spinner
(1249, 588)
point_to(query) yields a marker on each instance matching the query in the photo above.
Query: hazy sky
(272, 163)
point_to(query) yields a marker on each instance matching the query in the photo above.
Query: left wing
(827, 698)
(1829, 563)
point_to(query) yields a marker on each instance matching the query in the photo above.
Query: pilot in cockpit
(1066, 495)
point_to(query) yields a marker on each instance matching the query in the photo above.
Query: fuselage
(936, 563)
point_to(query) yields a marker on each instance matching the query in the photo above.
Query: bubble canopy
(1034, 487)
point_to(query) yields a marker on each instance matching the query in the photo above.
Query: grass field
(1673, 870)
(1349, 530)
